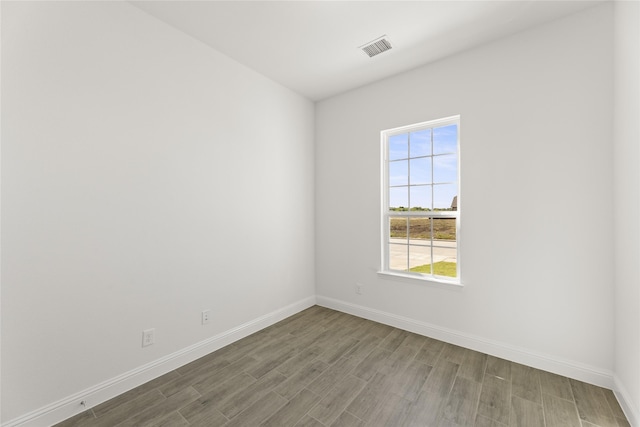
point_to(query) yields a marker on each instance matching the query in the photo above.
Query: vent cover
(377, 46)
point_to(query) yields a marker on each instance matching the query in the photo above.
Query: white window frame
(387, 214)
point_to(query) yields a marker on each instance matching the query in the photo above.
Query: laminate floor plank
(616, 410)
(330, 377)
(592, 404)
(301, 379)
(340, 325)
(560, 412)
(482, 421)
(393, 340)
(271, 362)
(299, 361)
(271, 348)
(324, 368)
(495, 399)
(154, 413)
(463, 401)
(299, 321)
(441, 378)
(448, 423)
(622, 422)
(212, 380)
(207, 406)
(335, 352)
(498, 368)
(525, 382)
(473, 366)
(213, 418)
(380, 330)
(430, 351)
(363, 348)
(83, 419)
(215, 358)
(219, 421)
(129, 396)
(338, 398)
(368, 367)
(124, 409)
(409, 383)
(413, 340)
(348, 420)
(259, 411)
(371, 328)
(391, 412)
(248, 396)
(252, 343)
(452, 353)
(308, 421)
(555, 385)
(398, 360)
(174, 419)
(371, 396)
(294, 410)
(319, 337)
(188, 378)
(525, 413)
(426, 410)
(352, 323)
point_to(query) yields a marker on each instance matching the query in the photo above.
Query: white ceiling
(312, 46)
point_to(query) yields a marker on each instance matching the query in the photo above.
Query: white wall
(627, 205)
(145, 177)
(536, 177)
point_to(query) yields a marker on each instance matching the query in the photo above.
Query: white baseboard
(630, 409)
(70, 406)
(544, 362)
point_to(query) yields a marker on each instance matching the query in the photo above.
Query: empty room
(320, 213)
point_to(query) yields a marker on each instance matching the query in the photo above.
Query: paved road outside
(419, 253)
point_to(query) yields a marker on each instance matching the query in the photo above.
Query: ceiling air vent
(376, 46)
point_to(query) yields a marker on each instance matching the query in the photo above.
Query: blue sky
(442, 158)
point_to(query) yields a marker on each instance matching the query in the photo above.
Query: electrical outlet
(359, 287)
(206, 315)
(148, 337)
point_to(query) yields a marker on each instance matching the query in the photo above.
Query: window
(420, 215)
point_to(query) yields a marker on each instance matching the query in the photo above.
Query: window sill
(430, 281)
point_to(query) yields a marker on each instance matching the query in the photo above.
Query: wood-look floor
(325, 368)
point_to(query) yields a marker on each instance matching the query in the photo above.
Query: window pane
(444, 229)
(398, 257)
(398, 172)
(445, 139)
(420, 259)
(420, 171)
(420, 143)
(443, 195)
(422, 175)
(398, 230)
(444, 261)
(420, 198)
(398, 198)
(399, 146)
(420, 231)
(444, 253)
(445, 168)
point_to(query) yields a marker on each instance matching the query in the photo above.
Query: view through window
(420, 194)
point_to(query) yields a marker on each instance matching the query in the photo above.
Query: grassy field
(420, 228)
(441, 268)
